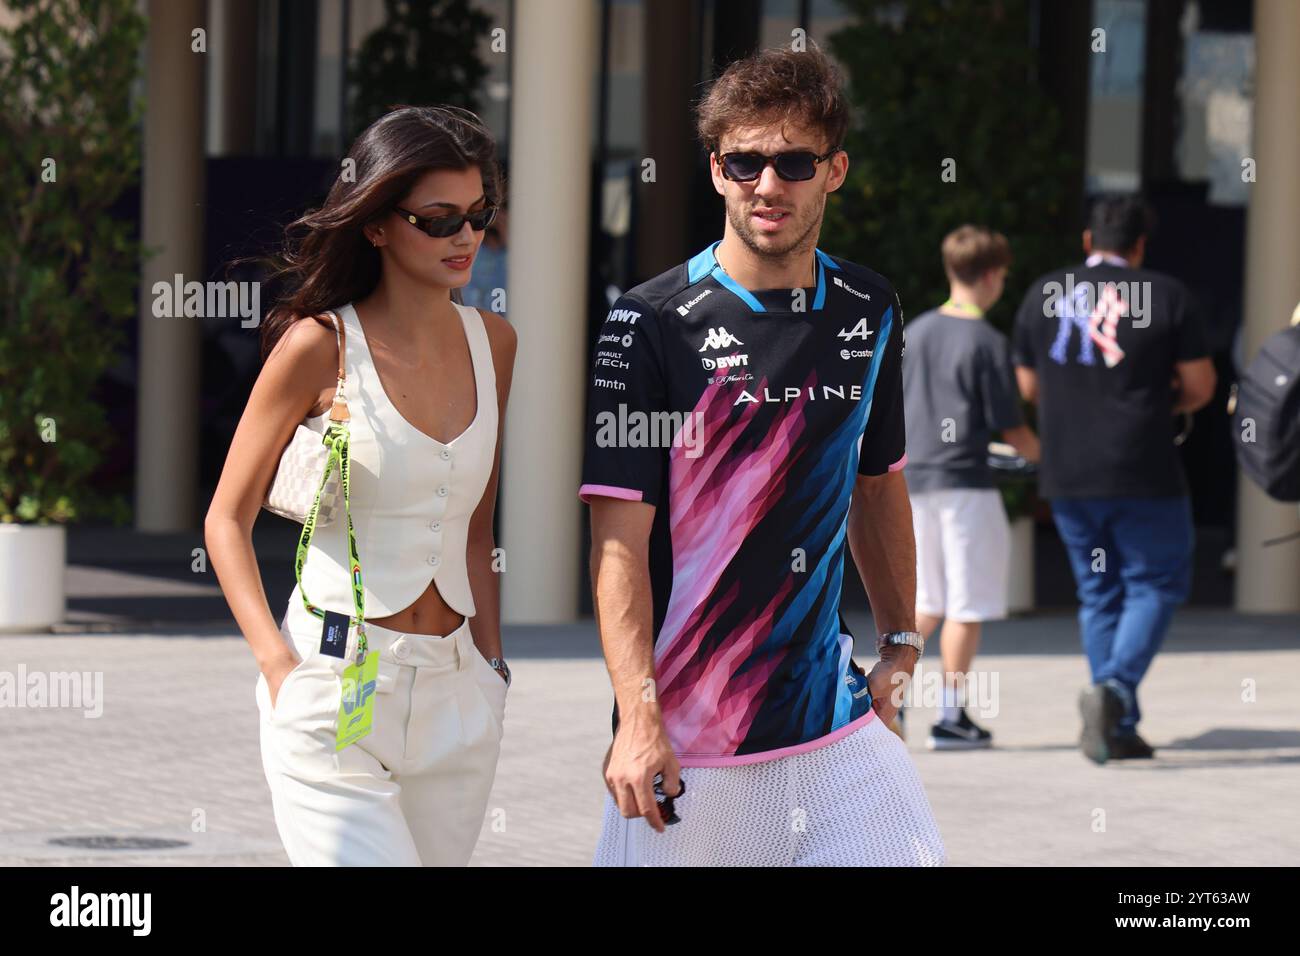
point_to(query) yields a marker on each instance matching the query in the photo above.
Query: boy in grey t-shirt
(959, 392)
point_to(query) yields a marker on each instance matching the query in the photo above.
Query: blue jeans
(1132, 562)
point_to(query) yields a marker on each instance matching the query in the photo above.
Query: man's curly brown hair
(776, 85)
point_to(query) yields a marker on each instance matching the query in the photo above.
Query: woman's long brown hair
(326, 260)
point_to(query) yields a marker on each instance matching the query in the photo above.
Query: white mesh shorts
(856, 802)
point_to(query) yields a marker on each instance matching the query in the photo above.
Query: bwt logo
(622, 315)
(724, 361)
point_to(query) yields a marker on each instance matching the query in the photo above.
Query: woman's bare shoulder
(309, 340)
(501, 334)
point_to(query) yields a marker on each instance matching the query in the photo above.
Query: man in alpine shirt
(718, 542)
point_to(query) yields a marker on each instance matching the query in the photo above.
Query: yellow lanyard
(965, 308)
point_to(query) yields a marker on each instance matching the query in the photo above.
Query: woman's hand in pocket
(277, 670)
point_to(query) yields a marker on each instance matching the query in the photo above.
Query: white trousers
(856, 802)
(413, 791)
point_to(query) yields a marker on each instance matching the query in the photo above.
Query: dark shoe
(1130, 747)
(960, 734)
(1101, 709)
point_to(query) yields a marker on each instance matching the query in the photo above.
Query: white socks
(951, 709)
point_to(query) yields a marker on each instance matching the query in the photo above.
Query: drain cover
(117, 843)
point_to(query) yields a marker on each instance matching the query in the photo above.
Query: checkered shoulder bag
(306, 457)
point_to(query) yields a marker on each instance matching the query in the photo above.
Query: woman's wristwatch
(501, 667)
(910, 638)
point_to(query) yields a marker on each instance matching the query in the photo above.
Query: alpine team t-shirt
(745, 417)
(1104, 340)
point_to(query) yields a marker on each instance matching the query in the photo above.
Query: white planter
(1020, 582)
(32, 559)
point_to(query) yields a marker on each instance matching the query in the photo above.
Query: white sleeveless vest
(412, 496)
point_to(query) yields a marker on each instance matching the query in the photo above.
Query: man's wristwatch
(501, 667)
(910, 638)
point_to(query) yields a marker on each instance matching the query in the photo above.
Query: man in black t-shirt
(1111, 352)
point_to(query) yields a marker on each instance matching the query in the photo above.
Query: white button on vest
(446, 455)
(433, 559)
(435, 525)
(442, 491)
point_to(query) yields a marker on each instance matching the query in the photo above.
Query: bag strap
(337, 441)
(339, 410)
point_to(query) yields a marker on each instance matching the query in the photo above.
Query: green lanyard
(336, 439)
(966, 308)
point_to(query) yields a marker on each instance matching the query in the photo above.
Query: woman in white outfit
(370, 275)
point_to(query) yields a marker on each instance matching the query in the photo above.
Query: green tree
(949, 86)
(424, 54)
(69, 148)
(938, 80)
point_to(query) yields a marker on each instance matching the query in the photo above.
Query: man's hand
(640, 751)
(888, 680)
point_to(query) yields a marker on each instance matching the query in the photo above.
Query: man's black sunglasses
(795, 167)
(444, 226)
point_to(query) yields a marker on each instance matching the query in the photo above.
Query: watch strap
(909, 638)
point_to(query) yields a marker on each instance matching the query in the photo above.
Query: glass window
(1216, 98)
(780, 17)
(1115, 98)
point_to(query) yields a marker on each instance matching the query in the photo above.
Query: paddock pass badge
(357, 705)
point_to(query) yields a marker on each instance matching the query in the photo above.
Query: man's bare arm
(620, 575)
(1195, 384)
(1024, 441)
(1027, 382)
(620, 578)
(884, 550)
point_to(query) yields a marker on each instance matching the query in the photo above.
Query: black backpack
(1269, 396)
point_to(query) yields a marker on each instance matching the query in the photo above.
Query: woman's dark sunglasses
(444, 226)
(793, 167)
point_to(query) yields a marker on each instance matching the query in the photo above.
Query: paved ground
(174, 755)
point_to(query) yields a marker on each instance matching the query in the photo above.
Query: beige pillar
(1268, 579)
(554, 46)
(172, 222)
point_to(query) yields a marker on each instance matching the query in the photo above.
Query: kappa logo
(859, 331)
(849, 289)
(720, 338)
